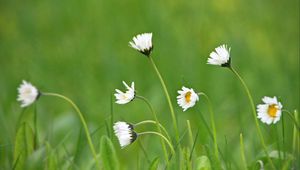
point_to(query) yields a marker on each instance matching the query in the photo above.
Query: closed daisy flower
(270, 111)
(27, 94)
(125, 134)
(125, 97)
(142, 43)
(187, 98)
(221, 56)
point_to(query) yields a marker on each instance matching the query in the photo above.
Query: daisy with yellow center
(270, 111)
(187, 98)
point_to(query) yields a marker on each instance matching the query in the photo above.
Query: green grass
(80, 49)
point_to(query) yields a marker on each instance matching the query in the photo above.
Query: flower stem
(157, 123)
(82, 121)
(283, 140)
(243, 152)
(154, 122)
(254, 115)
(212, 120)
(168, 99)
(162, 136)
(292, 117)
(36, 134)
(296, 140)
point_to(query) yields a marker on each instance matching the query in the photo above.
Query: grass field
(80, 49)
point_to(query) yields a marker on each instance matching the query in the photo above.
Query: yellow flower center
(27, 91)
(188, 97)
(272, 110)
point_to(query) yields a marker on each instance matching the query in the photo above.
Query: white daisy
(187, 98)
(221, 56)
(27, 94)
(125, 134)
(270, 111)
(123, 98)
(142, 43)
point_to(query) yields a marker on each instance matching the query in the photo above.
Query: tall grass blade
(108, 154)
(24, 144)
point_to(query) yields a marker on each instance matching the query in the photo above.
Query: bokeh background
(80, 49)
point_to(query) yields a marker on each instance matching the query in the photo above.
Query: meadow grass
(80, 49)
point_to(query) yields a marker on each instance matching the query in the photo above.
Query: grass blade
(108, 154)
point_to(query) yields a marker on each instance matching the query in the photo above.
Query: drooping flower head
(221, 56)
(125, 97)
(27, 94)
(125, 133)
(142, 43)
(187, 98)
(270, 111)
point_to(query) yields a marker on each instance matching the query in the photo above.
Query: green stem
(144, 151)
(292, 117)
(190, 132)
(168, 99)
(36, 137)
(157, 123)
(82, 121)
(296, 137)
(283, 140)
(111, 115)
(243, 152)
(162, 136)
(212, 120)
(254, 115)
(154, 122)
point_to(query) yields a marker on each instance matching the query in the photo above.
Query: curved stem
(296, 138)
(162, 136)
(154, 122)
(243, 152)
(212, 120)
(157, 123)
(292, 117)
(168, 99)
(254, 115)
(82, 121)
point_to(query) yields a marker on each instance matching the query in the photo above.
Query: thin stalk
(168, 98)
(154, 122)
(283, 140)
(144, 151)
(36, 137)
(82, 121)
(210, 133)
(194, 145)
(254, 115)
(190, 132)
(243, 152)
(157, 123)
(296, 137)
(212, 120)
(278, 146)
(111, 115)
(293, 118)
(162, 136)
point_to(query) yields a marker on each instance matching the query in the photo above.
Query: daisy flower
(27, 94)
(142, 43)
(125, 134)
(270, 111)
(123, 98)
(187, 98)
(221, 56)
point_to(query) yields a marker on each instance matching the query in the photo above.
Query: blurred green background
(80, 49)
